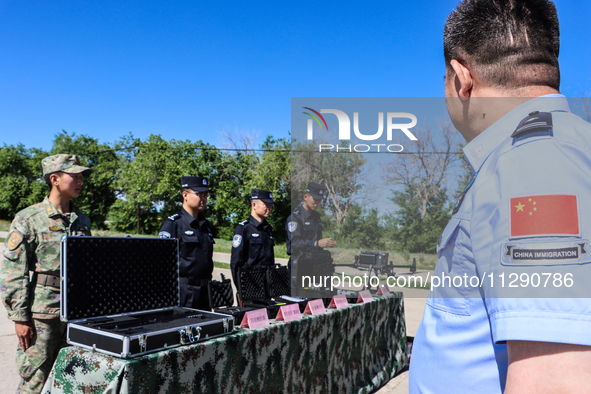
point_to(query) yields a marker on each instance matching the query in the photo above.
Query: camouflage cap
(65, 163)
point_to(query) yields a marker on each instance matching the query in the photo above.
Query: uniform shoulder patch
(237, 241)
(174, 217)
(14, 240)
(242, 223)
(292, 226)
(535, 121)
(163, 234)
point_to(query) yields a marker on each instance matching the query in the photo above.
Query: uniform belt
(47, 280)
(194, 282)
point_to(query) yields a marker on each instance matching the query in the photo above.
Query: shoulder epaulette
(242, 223)
(296, 211)
(535, 121)
(174, 217)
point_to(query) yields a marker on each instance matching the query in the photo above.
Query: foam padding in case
(317, 263)
(108, 276)
(252, 284)
(220, 293)
(279, 282)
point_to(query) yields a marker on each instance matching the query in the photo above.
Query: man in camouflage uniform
(29, 280)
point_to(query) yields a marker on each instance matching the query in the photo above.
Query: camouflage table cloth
(352, 350)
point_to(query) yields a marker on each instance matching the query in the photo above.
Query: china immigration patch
(542, 252)
(546, 215)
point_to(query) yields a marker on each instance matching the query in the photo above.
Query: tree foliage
(425, 172)
(362, 229)
(339, 172)
(21, 181)
(415, 232)
(148, 180)
(135, 185)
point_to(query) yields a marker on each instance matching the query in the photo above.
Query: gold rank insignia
(55, 228)
(14, 240)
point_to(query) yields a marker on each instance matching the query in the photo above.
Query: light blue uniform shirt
(502, 259)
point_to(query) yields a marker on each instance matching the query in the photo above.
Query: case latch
(226, 324)
(143, 340)
(190, 335)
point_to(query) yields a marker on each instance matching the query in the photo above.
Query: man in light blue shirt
(509, 310)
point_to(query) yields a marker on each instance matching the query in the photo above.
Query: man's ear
(53, 179)
(463, 81)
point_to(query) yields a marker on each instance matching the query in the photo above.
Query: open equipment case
(120, 296)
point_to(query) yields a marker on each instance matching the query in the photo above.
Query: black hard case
(120, 296)
(221, 299)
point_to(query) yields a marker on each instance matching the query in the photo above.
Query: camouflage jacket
(33, 244)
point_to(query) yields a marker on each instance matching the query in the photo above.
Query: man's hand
(25, 333)
(239, 300)
(326, 243)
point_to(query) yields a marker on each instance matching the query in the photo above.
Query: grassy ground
(4, 225)
(217, 264)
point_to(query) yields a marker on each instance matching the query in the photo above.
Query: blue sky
(185, 69)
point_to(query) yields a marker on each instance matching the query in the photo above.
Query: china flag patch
(549, 214)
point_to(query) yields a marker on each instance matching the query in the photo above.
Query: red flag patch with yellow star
(547, 214)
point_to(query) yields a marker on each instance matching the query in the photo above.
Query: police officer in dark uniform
(303, 228)
(195, 242)
(252, 246)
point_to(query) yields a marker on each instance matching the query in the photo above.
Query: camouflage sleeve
(14, 276)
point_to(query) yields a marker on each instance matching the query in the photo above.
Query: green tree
(234, 177)
(418, 233)
(237, 173)
(273, 174)
(425, 171)
(362, 229)
(21, 181)
(98, 193)
(339, 172)
(148, 182)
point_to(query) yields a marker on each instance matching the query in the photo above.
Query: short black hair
(509, 43)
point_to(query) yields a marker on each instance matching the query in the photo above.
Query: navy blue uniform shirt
(303, 230)
(195, 255)
(252, 246)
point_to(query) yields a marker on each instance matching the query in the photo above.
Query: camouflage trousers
(34, 364)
